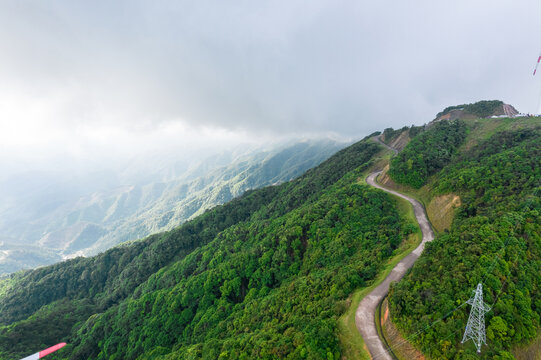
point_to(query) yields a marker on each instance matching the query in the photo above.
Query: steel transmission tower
(475, 329)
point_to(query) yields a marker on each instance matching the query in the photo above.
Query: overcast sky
(82, 78)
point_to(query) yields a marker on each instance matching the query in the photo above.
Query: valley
(58, 218)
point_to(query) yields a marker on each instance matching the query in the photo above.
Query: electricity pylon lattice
(475, 329)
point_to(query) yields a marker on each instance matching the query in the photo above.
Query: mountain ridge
(268, 274)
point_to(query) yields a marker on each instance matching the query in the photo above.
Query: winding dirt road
(366, 312)
(379, 141)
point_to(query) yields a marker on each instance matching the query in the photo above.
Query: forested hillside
(495, 239)
(268, 274)
(263, 276)
(481, 109)
(427, 153)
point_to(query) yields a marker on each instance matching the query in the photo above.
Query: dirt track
(378, 140)
(365, 314)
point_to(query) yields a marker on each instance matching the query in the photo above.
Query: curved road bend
(365, 314)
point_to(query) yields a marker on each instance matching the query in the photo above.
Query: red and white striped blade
(45, 352)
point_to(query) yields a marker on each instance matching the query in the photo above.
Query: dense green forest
(481, 109)
(264, 288)
(263, 276)
(268, 274)
(427, 153)
(495, 239)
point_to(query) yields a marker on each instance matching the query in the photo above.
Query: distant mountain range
(47, 217)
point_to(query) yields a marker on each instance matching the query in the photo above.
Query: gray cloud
(349, 67)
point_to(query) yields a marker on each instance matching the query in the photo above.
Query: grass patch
(441, 211)
(529, 352)
(481, 129)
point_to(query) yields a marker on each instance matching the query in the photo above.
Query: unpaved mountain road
(378, 140)
(366, 312)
